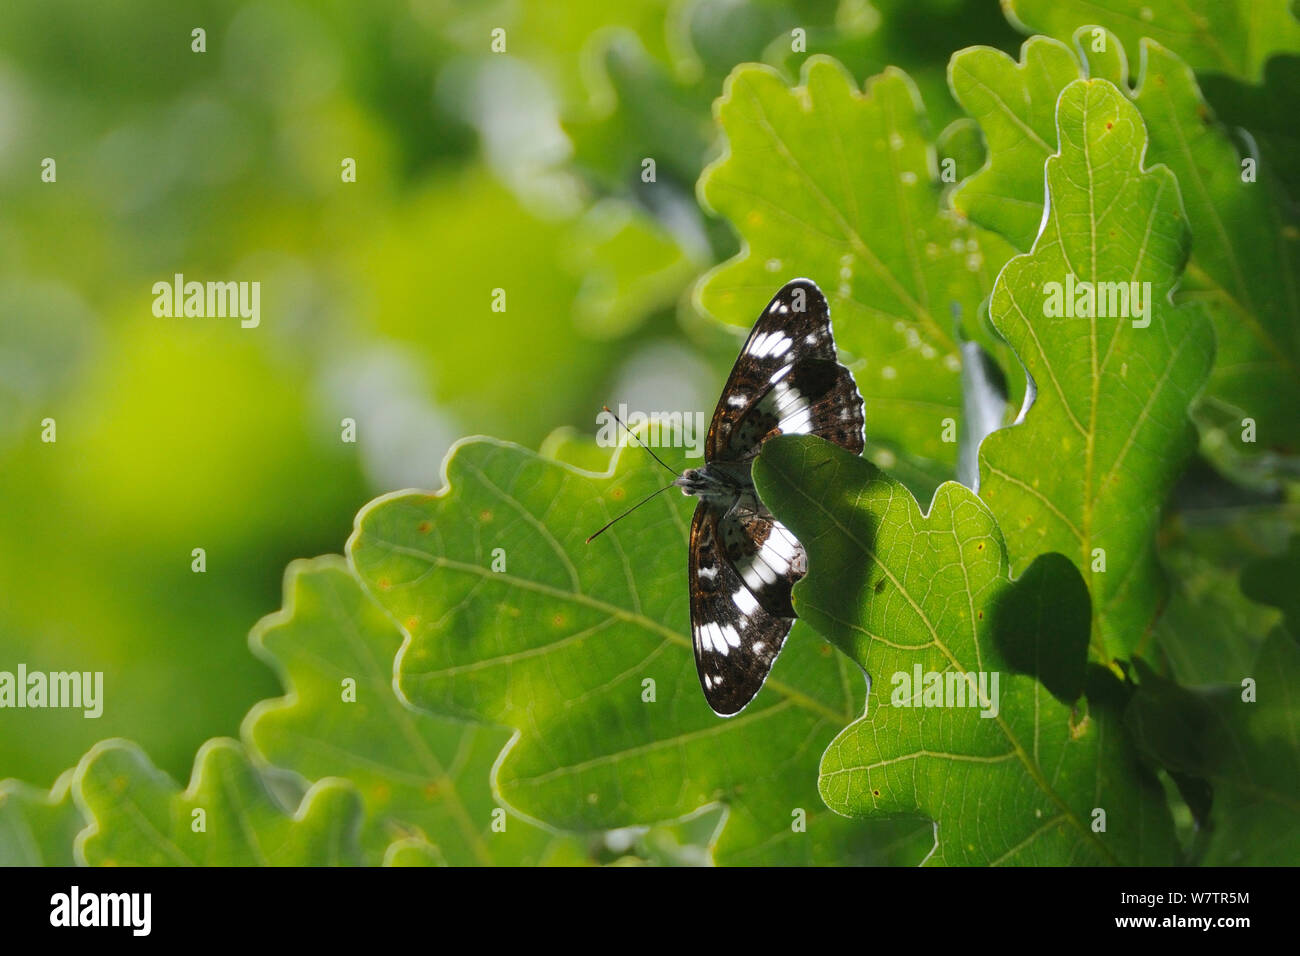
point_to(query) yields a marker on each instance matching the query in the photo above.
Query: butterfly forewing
(807, 399)
(792, 343)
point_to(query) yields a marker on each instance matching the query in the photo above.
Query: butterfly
(741, 561)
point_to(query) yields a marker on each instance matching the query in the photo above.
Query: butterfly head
(713, 483)
(693, 481)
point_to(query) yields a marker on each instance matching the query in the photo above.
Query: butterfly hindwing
(736, 638)
(765, 555)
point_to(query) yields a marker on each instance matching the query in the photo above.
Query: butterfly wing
(767, 558)
(787, 380)
(743, 562)
(736, 638)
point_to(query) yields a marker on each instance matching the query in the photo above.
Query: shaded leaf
(1210, 631)
(904, 592)
(1246, 748)
(1273, 581)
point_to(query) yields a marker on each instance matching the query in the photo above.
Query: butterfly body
(742, 562)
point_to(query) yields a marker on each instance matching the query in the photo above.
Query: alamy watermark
(657, 429)
(1081, 299)
(946, 689)
(77, 690)
(211, 300)
(133, 911)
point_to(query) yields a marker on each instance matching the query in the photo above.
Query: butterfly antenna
(630, 510)
(642, 444)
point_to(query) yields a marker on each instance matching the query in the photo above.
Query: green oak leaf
(512, 619)
(1239, 735)
(1272, 580)
(412, 851)
(1246, 250)
(1244, 743)
(1087, 471)
(140, 817)
(899, 590)
(843, 186)
(1211, 630)
(1265, 110)
(38, 827)
(418, 775)
(962, 142)
(1234, 37)
(1257, 773)
(1014, 104)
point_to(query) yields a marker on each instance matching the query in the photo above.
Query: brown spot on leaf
(424, 527)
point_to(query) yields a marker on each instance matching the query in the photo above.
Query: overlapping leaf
(1242, 740)
(826, 181)
(1211, 631)
(1235, 37)
(1246, 248)
(419, 776)
(585, 649)
(1087, 471)
(1014, 774)
(228, 816)
(38, 827)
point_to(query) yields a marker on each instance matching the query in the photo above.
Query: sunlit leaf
(226, 817)
(418, 775)
(1246, 248)
(842, 186)
(1235, 37)
(1087, 471)
(38, 827)
(586, 651)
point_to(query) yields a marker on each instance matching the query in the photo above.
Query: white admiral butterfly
(742, 562)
